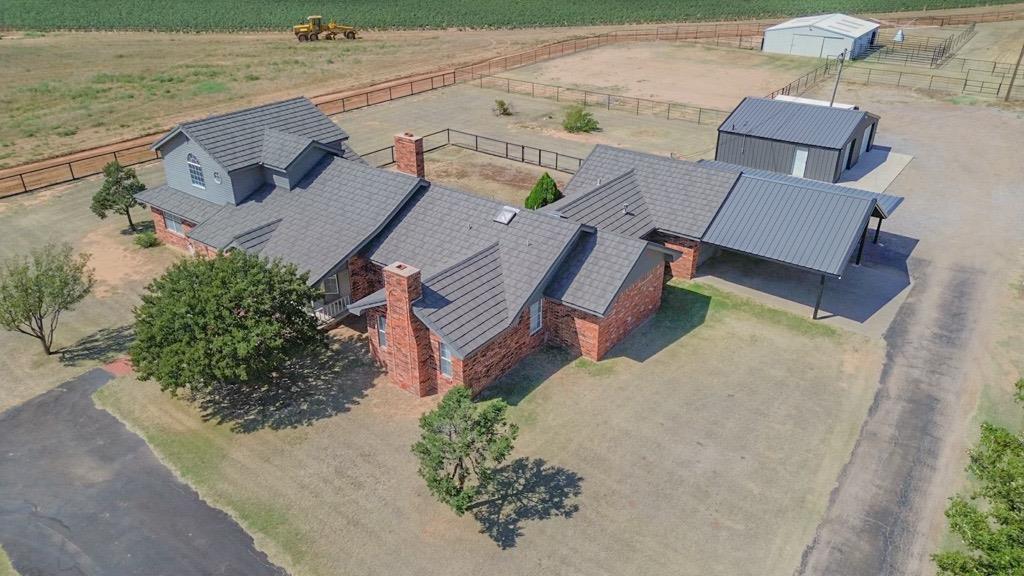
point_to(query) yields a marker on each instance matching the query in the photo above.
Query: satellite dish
(899, 36)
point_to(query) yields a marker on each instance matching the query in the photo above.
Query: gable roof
(336, 208)
(280, 149)
(801, 225)
(795, 122)
(849, 26)
(236, 140)
(887, 203)
(663, 193)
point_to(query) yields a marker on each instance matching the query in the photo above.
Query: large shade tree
(461, 446)
(117, 195)
(232, 319)
(35, 289)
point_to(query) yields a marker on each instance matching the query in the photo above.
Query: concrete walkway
(81, 495)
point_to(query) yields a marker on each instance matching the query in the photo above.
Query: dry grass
(504, 180)
(99, 327)
(716, 420)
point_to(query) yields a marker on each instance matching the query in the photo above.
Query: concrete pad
(875, 170)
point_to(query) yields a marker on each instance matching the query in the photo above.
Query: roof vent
(506, 214)
(625, 207)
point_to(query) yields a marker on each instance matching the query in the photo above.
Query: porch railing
(331, 311)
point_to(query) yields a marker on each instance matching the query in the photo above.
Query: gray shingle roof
(796, 122)
(804, 226)
(887, 203)
(179, 203)
(281, 148)
(617, 205)
(440, 230)
(595, 270)
(235, 140)
(331, 213)
(679, 196)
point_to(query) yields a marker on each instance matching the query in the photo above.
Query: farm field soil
(685, 72)
(664, 455)
(99, 327)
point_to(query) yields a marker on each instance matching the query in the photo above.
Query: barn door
(866, 138)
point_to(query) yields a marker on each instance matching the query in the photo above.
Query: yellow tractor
(315, 29)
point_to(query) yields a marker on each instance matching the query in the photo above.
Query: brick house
(456, 288)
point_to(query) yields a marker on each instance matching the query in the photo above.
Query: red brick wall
(166, 236)
(685, 266)
(408, 355)
(365, 277)
(591, 336)
(499, 355)
(409, 154)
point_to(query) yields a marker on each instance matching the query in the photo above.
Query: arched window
(195, 171)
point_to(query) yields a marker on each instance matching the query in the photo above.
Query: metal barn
(804, 140)
(821, 36)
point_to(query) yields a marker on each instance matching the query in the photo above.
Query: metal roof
(671, 195)
(236, 140)
(849, 26)
(793, 122)
(332, 212)
(800, 225)
(178, 203)
(887, 203)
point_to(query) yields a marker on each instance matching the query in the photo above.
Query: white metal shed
(821, 36)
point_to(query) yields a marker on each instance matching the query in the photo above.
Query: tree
(36, 289)
(118, 192)
(990, 519)
(544, 192)
(461, 445)
(235, 318)
(578, 119)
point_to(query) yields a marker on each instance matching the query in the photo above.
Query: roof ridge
(242, 111)
(441, 273)
(820, 187)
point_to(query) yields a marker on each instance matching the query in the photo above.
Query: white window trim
(382, 331)
(334, 280)
(536, 314)
(444, 356)
(192, 162)
(172, 218)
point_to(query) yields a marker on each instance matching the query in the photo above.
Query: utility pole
(1013, 76)
(841, 58)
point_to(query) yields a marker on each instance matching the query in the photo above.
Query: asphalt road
(81, 495)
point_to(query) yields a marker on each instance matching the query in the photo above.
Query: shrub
(544, 192)
(502, 108)
(147, 240)
(578, 119)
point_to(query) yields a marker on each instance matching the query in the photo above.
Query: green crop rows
(278, 14)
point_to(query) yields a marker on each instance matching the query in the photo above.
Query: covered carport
(816, 227)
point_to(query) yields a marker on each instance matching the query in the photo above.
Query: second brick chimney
(410, 364)
(409, 154)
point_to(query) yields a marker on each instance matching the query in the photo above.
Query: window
(536, 316)
(331, 285)
(173, 224)
(799, 162)
(195, 171)
(446, 359)
(382, 331)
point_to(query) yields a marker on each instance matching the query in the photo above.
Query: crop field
(273, 14)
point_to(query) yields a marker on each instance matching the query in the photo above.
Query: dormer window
(195, 171)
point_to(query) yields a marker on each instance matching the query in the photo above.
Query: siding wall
(175, 153)
(245, 181)
(857, 135)
(775, 156)
(811, 41)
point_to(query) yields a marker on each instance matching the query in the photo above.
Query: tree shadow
(682, 311)
(140, 227)
(99, 346)
(526, 490)
(316, 386)
(527, 375)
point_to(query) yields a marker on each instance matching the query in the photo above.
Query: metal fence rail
(805, 82)
(637, 106)
(904, 79)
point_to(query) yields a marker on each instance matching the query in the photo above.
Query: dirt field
(696, 74)
(98, 328)
(997, 41)
(643, 463)
(504, 180)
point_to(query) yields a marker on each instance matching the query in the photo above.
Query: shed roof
(793, 122)
(336, 208)
(671, 195)
(849, 26)
(236, 140)
(800, 225)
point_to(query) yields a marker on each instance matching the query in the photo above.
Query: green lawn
(5, 564)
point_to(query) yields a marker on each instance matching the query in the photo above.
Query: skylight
(506, 214)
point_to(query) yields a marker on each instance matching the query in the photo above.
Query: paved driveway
(81, 494)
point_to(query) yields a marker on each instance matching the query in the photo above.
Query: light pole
(840, 58)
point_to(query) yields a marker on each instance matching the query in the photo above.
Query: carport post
(817, 304)
(878, 229)
(860, 251)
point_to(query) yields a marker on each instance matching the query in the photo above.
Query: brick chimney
(410, 366)
(409, 154)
